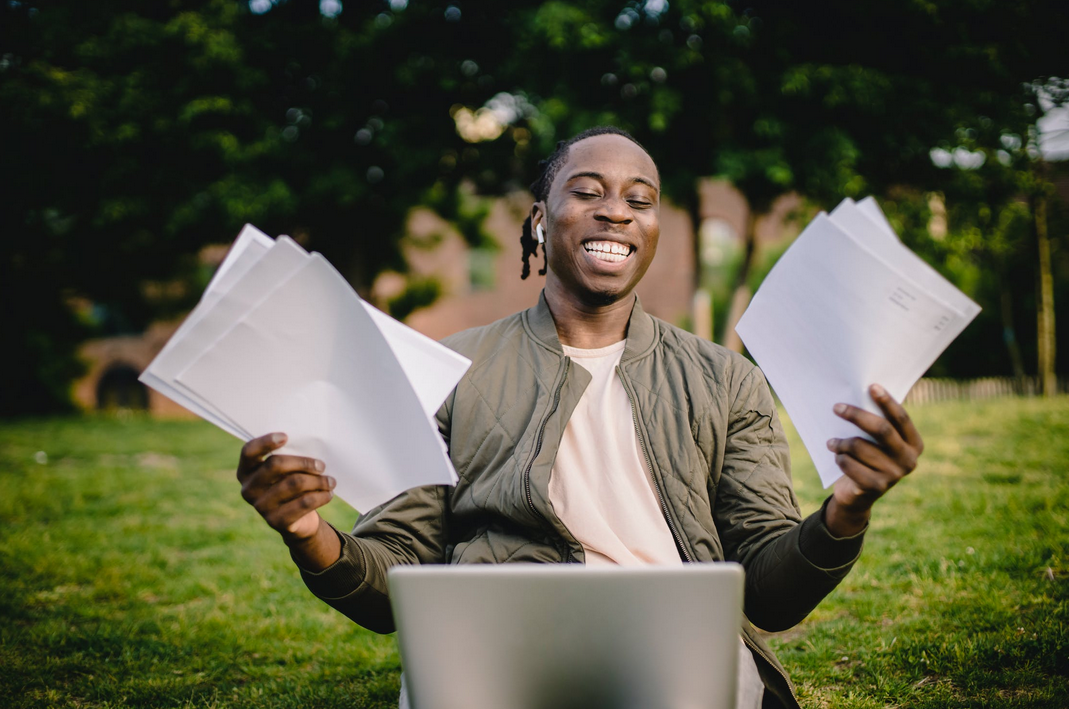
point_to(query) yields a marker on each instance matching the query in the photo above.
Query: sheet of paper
(432, 368)
(833, 317)
(875, 229)
(428, 365)
(308, 359)
(219, 314)
(246, 250)
(281, 261)
(871, 209)
(867, 232)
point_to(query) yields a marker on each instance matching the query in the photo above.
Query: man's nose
(613, 209)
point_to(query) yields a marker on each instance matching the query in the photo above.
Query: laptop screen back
(567, 636)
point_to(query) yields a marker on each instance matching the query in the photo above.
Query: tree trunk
(702, 302)
(740, 297)
(694, 212)
(1045, 309)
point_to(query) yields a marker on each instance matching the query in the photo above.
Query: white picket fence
(928, 390)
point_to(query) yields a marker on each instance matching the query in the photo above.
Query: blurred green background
(134, 134)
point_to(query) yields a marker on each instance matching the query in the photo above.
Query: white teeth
(608, 250)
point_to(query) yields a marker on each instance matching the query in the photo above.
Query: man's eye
(639, 203)
(585, 195)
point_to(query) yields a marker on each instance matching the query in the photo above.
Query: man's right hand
(285, 489)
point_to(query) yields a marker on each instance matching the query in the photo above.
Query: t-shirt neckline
(599, 352)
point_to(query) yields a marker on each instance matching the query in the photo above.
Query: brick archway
(118, 388)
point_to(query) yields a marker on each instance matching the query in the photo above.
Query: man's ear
(538, 216)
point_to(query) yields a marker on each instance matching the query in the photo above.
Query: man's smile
(609, 251)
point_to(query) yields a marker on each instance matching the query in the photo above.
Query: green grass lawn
(134, 575)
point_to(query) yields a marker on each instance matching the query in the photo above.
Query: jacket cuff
(341, 578)
(823, 549)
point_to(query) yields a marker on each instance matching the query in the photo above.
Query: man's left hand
(870, 468)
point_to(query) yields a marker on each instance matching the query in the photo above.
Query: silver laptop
(534, 636)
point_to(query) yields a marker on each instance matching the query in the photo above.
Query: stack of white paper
(848, 306)
(280, 342)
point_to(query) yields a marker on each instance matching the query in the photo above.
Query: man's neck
(586, 326)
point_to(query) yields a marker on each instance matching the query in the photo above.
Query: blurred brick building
(477, 285)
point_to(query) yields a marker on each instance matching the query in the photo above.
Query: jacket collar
(641, 329)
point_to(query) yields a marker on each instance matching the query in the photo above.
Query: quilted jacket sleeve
(409, 529)
(791, 563)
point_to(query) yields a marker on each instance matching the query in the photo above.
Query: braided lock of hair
(547, 172)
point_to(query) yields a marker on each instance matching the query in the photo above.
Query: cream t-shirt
(604, 493)
(600, 486)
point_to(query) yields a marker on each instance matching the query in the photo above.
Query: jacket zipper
(538, 442)
(649, 466)
(790, 688)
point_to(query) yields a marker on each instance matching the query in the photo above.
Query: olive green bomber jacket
(711, 436)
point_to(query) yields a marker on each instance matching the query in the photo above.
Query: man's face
(601, 220)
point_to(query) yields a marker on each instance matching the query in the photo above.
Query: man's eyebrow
(599, 176)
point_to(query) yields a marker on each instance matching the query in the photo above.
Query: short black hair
(548, 170)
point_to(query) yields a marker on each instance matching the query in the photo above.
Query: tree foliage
(143, 131)
(140, 131)
(831, 100)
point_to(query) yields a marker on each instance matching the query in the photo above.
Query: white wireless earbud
(540, 234)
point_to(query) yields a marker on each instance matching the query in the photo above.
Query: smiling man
(588, 431)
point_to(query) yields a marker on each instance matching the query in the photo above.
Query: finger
(870, 482)
(281, 518)
(290, 488)
(897, 415)
(882, 430)
(253, 452)
(868, 454)
(274, 469)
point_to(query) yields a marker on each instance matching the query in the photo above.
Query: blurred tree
(776, 99)
(1003, 223)
(143, 131)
